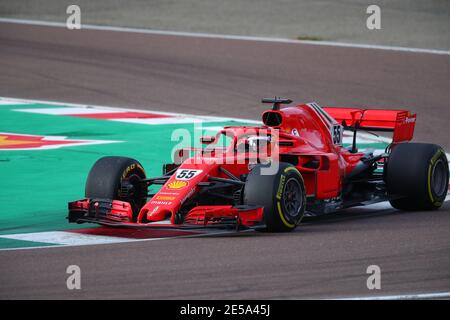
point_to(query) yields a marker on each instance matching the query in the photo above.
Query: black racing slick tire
(281, 194)
(417, 176)
(105, 180)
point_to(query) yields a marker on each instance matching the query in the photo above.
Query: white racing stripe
(174, 120)
(65, 238)
(16, 101)
(71, 110)
(56, 239)
(78, 109)
(9, 102)
(225, 36)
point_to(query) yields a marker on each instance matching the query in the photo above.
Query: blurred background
(409, 23)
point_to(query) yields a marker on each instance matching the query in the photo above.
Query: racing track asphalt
(321, 259)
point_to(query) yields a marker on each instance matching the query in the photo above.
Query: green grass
(37, 184)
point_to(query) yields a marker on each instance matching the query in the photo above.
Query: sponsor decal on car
(168, 193)
(409, 120)
(187, 174)
(177, 184)
(131, 168)
(165, 198)
(162, 203)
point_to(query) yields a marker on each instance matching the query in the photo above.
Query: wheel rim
(438, 178)
(292, 198)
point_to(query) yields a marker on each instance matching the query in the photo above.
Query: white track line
(89, 110)
(6, 103)
(71, 110)
(435, 295)
(65, 238)
(174, 120)
(224, 36)
(122, 240)
(13, 101)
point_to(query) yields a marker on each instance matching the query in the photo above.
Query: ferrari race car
(269, 177)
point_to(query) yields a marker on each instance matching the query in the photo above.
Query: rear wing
(400, 122)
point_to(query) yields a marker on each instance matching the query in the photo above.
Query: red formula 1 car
(268, 177)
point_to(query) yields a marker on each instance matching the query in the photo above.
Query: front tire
(106, 176)
(417, 176)
(281, 194)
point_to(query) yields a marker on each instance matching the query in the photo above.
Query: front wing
(115, 213)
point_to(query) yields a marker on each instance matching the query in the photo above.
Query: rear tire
(417, 176)
(105, 178)
(282, 195)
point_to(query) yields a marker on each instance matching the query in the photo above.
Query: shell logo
(177, 184)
